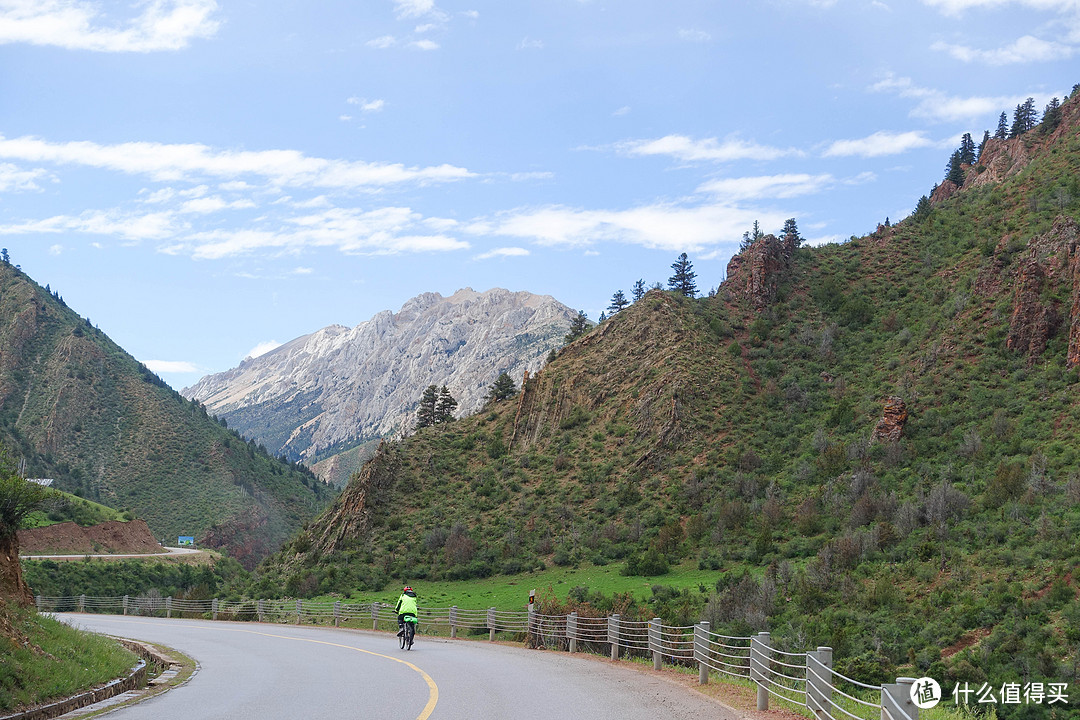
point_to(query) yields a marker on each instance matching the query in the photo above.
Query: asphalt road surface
(267, 672)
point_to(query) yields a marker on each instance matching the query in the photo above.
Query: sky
(207, 179)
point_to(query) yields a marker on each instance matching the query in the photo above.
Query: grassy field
(511, 592)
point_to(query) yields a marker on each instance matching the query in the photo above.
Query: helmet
(407, 589)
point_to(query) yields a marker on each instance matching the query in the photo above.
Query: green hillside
(738, 432)
(75, 407)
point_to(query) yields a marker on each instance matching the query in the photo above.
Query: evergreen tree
(757, 234)
(982, 145)
(745, 242)
(4, 256)
(603, 317)
(503, 388)
(955, 170)
(682, 281)
(967, 150)
(578, 327)
(638, 290)
(1002, 127)
(922, 209)
(790, 228)
(1023, 118)
(444, 408)
(618, 302)
(425, 414)
(1051, 116)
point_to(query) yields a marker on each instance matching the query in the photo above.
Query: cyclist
(406, 605)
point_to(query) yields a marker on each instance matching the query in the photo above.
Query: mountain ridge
(338, 387)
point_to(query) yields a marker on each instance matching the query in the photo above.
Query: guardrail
(805, 679)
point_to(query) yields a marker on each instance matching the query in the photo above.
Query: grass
(511, 592)
(42, 659)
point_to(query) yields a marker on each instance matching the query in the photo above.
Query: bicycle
(408, 632)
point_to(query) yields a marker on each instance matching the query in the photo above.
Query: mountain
(337, 388)
(870, 445)
(77, 408)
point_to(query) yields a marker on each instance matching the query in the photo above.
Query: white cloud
(78, 25)
(303, 271)
(879, 144)
(382, 42)
(694, 35)
(1024, 50)
(15, 179)
(171, 366)
(687, 149)
(344, 118)
(503, 252)
(56, 250)
(263, 348)
(957, 7)
(426, 27)
(537, 175)
(527, 44)
(937, 106)
(383, 231)
(424, 45)
(414, 8)
(767, 186)
(193, 162)
(664, 226)
(366, 105)
(471, 14)
(128, 226)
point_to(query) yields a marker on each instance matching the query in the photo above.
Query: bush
(651, 563)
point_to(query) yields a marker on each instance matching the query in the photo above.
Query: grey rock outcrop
(336, 387)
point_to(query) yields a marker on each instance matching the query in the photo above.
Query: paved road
(250, 671)
(114, 556)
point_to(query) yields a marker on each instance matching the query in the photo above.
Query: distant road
(168, 551)
(251, 671)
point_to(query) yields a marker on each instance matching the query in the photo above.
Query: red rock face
(1052, 262)
(756, 272)
(891, 425)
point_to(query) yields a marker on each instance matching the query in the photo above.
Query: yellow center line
(433, 689)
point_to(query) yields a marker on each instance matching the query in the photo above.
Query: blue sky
(206, 178)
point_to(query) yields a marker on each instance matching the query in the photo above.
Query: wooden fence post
(453, 621)
(571, 631)
(491, 624)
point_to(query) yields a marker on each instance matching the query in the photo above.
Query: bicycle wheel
(404, 635)
(410, 630)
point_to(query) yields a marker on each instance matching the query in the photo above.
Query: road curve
(251, 670)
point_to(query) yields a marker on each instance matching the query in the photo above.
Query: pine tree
(638, 290)
(503, 388)
(578, 327)
(444, 408)
(745, 242)
(425, 414)
(922, 209)
(1023, 118)
(603, 317)
(1002, 127)
(618, 302)
(967, 150)
(1051, 116)
(955, 171)
(982, 145)
(682, 281)
(790, 228)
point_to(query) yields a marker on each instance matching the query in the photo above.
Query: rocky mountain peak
(339, 386)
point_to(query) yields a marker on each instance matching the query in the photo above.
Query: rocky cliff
(756, 272)
(336, 387)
